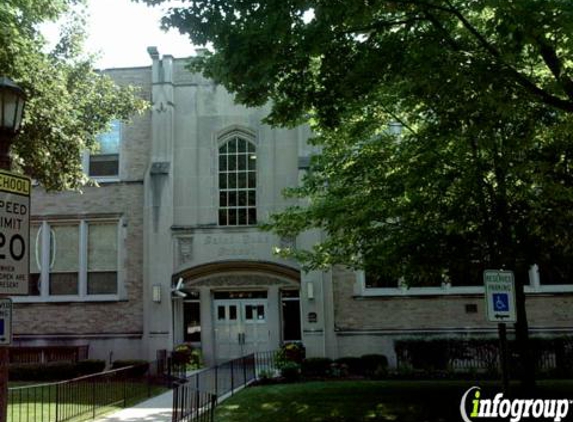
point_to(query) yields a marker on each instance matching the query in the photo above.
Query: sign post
(500, 308)
(5, 321)
(14, 262)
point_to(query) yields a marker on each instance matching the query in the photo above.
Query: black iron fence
(196, 395)
(45, 354)
(85, 397)
(192, 405)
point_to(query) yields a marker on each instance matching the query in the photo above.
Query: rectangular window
(102, 258)
(237, 183)
(373, 280)
(80, 262)
(105, 161)
(221, 314)
(556, 273)
(192, 321)
(65, 252)
(291, 315)
(34, 284)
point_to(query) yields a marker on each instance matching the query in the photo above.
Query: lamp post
(12, 99)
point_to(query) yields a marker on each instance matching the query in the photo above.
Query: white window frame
(82, 295)
(446, 289)
(250, 138)
(104, 179)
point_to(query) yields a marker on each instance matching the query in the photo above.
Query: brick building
(167, 249)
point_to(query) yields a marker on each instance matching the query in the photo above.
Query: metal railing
(85, 397)
(195, 396)
(192, 405)
(45, 354)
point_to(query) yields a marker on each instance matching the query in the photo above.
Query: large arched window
(237, 182)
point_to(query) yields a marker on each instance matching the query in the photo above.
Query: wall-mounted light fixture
(157, 293)
(310, 290)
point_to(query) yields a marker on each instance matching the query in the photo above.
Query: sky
(121, 31)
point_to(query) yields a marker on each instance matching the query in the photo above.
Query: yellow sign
(14, 233)
(13, 183)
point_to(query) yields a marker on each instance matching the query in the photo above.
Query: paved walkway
(157, 409)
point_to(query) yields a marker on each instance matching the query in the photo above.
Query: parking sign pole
(504, 356)
(500, 308)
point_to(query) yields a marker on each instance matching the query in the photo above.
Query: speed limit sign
(14, 233)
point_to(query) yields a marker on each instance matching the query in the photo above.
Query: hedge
(54, 371)
(140, 367)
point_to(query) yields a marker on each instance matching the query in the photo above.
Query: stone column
(207, 333)
(273, 317)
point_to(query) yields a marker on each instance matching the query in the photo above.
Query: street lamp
(12, 100)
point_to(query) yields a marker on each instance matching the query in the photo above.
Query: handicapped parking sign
(501, 302)
(500, 296)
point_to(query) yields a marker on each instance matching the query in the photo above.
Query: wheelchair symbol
(501, 302)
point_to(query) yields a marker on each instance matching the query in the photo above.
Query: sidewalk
(157, 409)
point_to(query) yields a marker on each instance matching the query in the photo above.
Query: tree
(481, 175)
(69, 102)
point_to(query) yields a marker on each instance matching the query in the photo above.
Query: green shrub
(265, 377)
(265, 374)
(372, 363)
(90, 366)
(187, 356)
(353, 364)
(290, 371)
(54, 371)
(139, 369)
(380, 373)
(316, 367)
(290, 352)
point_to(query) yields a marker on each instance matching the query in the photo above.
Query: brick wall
(545, 311)
(123, 199)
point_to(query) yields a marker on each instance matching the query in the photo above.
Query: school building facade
(167, 250)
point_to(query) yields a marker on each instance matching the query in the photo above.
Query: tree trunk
(527, 365)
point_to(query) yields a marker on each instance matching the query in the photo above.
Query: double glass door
(241, 327)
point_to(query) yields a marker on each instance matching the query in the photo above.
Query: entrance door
(241, 327)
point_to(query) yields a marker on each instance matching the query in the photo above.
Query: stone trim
(239, 280)
(221, 268)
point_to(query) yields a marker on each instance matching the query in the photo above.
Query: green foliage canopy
(481, 174)
(68, 102)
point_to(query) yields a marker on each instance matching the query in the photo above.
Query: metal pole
(244, 371)
(504, 358)
(5, 164)
(197, 395)
(232, 379)
(94, 397)
(57, 401)
(217, 379)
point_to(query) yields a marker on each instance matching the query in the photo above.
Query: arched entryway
(233, 308)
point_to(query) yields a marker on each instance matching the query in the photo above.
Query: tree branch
(554, 64)
(521, 79)
(381, 25)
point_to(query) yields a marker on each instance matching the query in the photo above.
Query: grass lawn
(353, 401)
(38, 403)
